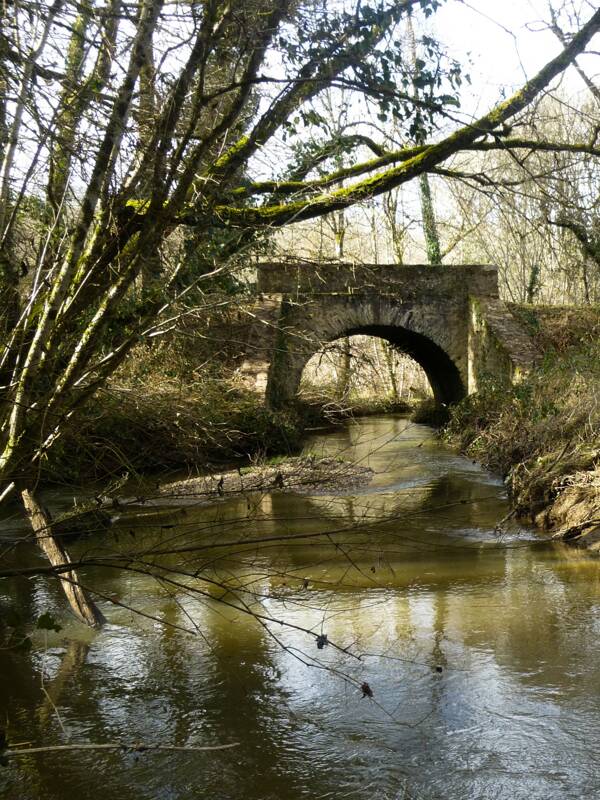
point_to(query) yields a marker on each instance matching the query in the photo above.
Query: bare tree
(535, 214)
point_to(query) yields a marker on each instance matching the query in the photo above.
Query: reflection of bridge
(448, 318)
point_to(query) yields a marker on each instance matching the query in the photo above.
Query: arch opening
(441, 372)
(364, 371)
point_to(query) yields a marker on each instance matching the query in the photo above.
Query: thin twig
(130, 748)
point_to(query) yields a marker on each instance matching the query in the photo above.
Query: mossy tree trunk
(430, 229)
(79, 599)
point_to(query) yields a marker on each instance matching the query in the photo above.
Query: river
(478, 644)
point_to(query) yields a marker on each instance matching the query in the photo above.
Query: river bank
(543, 434)
(180, 402)
(163, 414)
(151, 424)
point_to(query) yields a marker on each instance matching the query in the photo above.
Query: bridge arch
(431, 339)
(442, 373)
(450, 319)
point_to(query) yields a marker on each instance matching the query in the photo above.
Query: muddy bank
(315, 475)
(543, 435)
(556, 489)
(573, 515)
(300, 475)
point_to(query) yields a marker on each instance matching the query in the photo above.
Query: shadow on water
(480, 648)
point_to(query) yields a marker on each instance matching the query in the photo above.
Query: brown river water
(479, 645)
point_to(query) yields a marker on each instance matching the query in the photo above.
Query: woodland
(152, 152)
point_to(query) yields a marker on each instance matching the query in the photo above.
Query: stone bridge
(448, 318)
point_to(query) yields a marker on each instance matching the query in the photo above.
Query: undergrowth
(539, 431)
(169, 408)
(323, 402)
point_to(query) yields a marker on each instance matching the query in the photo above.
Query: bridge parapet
(408, 281)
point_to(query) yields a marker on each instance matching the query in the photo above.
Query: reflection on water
(480, 647)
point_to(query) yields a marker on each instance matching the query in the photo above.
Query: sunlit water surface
(480, 646)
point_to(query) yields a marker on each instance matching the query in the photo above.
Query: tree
(121, 125)
(535, 214)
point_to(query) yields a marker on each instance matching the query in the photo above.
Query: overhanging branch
(291, 187)
(415, 164)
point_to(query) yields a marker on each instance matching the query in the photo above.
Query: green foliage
(382, 72)
(203, 252)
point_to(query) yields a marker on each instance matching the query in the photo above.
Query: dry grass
(172, 405)
(559, 328)
(540, 432)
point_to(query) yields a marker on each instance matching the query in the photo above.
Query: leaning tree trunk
(82, 605)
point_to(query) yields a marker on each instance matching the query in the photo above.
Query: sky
(507, 42)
